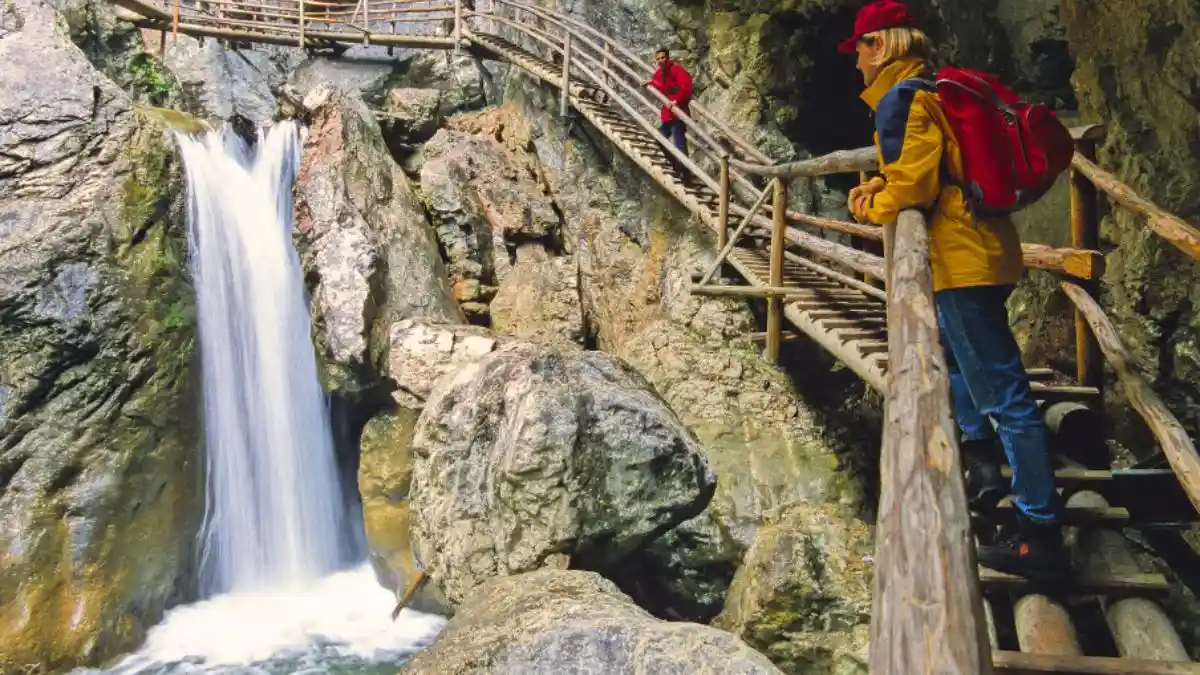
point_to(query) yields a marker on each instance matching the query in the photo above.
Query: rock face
(1138, 73)
(98, 441)
(486, 202)
(539, 451)
(365, 244)
(803, 593)
(539, 300)
(570, 622)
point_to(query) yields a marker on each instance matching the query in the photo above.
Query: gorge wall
(437, 202)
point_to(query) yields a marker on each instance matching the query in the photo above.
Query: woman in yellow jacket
(975, 265)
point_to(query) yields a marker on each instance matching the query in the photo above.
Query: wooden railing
(928, 614)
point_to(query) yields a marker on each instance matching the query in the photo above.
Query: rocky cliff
(99, 462)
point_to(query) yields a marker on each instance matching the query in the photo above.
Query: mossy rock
(102, 467)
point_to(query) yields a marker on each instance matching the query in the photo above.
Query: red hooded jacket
(674, 83)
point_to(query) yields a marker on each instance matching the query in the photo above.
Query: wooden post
(366, 22)
(889, 244)
(1044, 627)
(604, 63)
(775, 305)
(723, 209)
(301, 40)
(927, 612)
(566, 77)
(1085, 233)
(457, 26)
(858, 242)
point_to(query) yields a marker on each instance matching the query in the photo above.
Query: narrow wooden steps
(1125, 586)
(1020, 663)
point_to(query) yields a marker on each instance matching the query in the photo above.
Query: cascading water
(274, 508)
(274, 526)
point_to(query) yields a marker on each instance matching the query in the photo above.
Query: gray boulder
(556, 622)
(538, 454)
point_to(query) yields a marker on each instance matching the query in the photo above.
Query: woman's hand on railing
(860, 197)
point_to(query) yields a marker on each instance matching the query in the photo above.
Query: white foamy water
(341, 624)
(276, 536)
(274, 511)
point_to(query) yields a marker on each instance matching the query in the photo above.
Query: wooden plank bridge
(867, 299)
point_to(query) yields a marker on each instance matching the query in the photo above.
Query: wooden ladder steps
(1072, 515)
(1123, 586)
(1021, 663)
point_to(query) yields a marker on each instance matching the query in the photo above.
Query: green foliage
(150, 78)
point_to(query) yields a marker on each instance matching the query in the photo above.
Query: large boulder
(803, 593)
(366, 248)
(421, 352)
(538, 453)
(557, 622)
(99, 447)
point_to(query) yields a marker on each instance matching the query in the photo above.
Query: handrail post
(927, 613)
(457, 26)
(775, 303)
(604, 62)
(1085, 233)
(301, 40)
(566, 76)
(889, 247)
(723, 210)
(366, 21)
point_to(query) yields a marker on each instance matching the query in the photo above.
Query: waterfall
(274, 514)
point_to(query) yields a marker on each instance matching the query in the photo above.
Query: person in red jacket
(673, 82)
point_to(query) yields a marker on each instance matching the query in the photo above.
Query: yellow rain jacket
(912, 139)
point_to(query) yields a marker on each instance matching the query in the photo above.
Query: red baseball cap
(877, 16)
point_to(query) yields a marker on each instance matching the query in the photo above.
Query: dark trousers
(987, 379)
(677, 132)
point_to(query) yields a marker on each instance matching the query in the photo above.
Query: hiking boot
(1036, 552)
(985, 485)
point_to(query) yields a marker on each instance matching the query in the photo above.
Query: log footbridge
(863, 293)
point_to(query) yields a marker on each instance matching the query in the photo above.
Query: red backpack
(1011, 151)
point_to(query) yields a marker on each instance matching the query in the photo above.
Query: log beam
(1171, 435)
(1076, 262)
(1167, 225)
(927, 611)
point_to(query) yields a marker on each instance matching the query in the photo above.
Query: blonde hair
(899, 43)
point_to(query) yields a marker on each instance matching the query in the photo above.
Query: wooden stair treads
(1020, 663)
(1129, 585)
(1072, 515)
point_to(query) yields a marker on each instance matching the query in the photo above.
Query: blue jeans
(987, 379)
(676, 131)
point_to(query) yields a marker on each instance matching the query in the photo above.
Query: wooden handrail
(1171, 436)
(927, 611)
(1167, 225)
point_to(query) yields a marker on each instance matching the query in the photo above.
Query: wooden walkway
(833, 294)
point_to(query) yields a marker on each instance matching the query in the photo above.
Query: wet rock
(422, 352)
(539, 299)
(539, 452)
(557, 621)
(803, 592)
(99, 444)
(365, 245)
(384, 481)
